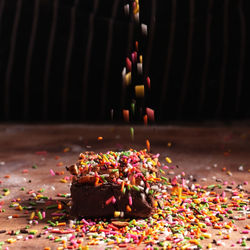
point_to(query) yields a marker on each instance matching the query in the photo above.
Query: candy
(139, 91)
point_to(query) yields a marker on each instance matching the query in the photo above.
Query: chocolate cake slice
(115, 184)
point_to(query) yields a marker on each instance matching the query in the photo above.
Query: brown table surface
(198, 150)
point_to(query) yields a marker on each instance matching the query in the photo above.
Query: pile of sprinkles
(185, 215)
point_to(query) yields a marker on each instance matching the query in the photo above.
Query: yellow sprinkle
(32, 215)
(208, 236)
(20, 208)
(117, 214)
(7, 193)
(140, 58)
(128, 78)
(193, 241)
(63, 181)
(11, 240)
(139, 91)
(168, 160)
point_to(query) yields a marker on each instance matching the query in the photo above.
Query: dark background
(62, 60)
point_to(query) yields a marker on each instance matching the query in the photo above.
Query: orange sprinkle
(99, 138)
(122, 186)
(128, 208)
(7, 176)
(145, 119)
(66, 150)
(59, 206)
(126, 115)
(148, 145)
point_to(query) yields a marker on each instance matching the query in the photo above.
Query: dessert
(115, 184)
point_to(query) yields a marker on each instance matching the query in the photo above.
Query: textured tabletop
(33, 160)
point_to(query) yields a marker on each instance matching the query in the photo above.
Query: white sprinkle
(10, 217)
(215, 165)
(71, 223)
(137, 17)
(139, 68)
(144, 29)
(241, 168)
(126, 9)
(203, 179)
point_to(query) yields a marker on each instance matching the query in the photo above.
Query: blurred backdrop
(61, 60)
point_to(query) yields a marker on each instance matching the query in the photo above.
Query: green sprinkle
(44, 197)
(211, 186)
(51, 223)
(136, 188)
(164, 178)
(51, 206)
(115, 170)
(243, 244)
(22, 189)
(32, 203)
(40, 215)
(132, 133)
(57, 240)
(34, 166)
(151, 191)
(17, 232)
(5, 189)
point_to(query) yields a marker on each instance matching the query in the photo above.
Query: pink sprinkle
(225, 183)
(128, 64)
(31, 236)
(43, 214)
(113, 200)
(72, 237)
(151, 114)
(109, 200)
(25, 171)
(148, 82)
(52, 172)
(85, 222)
(233, 245)
(165, 167)
(245, 182)
(183, 182)
(245, 232)
(233, 182)
(130, 200)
